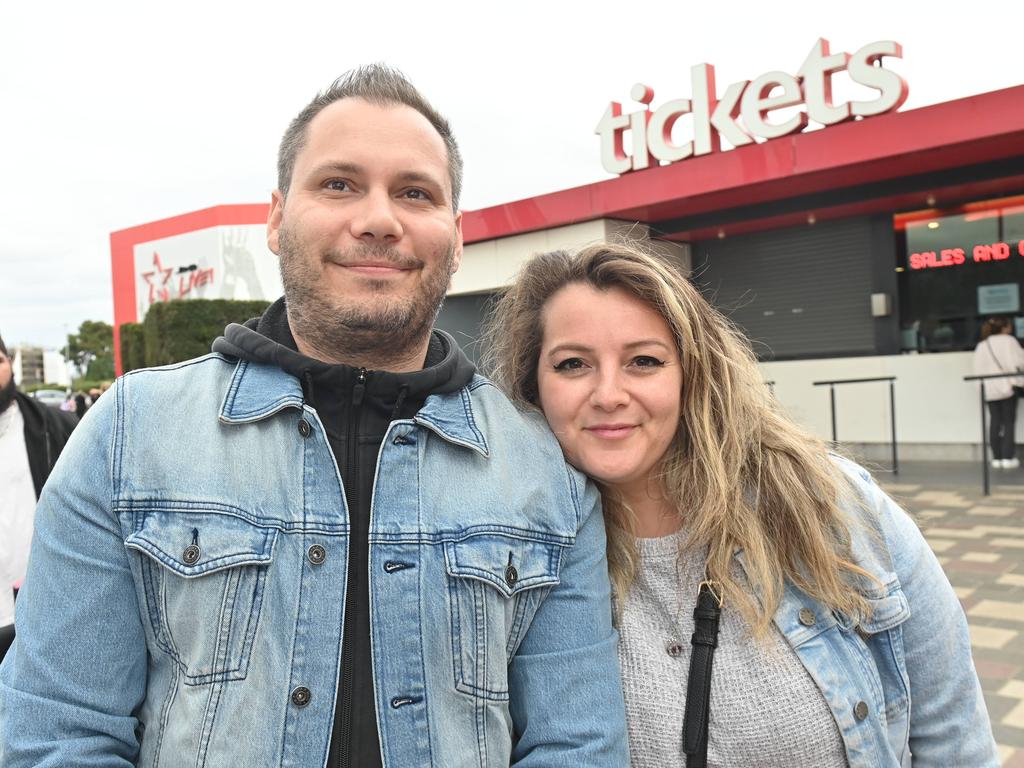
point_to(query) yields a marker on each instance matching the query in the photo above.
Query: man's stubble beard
(344, 329)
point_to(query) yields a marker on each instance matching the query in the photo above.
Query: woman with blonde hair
(774, 606)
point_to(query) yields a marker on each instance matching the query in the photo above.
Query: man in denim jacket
(329, 542)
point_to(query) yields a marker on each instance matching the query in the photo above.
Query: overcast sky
(114, 114)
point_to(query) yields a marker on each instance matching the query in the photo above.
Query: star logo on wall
(158, 290)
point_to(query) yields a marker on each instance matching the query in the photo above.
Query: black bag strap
(698, 687)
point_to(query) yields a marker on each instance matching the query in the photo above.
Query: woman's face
(610, 383)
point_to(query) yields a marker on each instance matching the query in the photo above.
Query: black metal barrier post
(984, 430)
(892, 408)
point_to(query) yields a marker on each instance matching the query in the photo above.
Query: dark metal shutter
(462, 316)
(802, 292)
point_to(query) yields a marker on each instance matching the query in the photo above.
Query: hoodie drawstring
(402, 392)
(307, 377)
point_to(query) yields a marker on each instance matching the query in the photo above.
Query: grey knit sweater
(766, 711)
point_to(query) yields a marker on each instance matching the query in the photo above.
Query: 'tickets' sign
(744, 110)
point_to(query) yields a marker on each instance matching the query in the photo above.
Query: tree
(92, 349)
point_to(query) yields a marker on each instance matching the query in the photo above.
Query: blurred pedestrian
(31, 437)
(1000, 352)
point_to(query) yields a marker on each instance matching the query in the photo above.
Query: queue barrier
(892, 408)
(984, 429)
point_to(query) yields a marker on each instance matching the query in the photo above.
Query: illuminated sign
(953, 257)
(744, 110)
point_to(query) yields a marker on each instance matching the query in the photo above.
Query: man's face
(6, 382)
(367, 236)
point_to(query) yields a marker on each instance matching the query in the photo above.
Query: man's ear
(274, 220)
(457, 257)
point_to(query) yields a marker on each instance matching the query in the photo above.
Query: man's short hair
(377, 84)
(3, 347)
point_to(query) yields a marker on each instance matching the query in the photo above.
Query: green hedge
(180, 330)
(133, 347)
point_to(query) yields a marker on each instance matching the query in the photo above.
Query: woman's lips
(611, 431)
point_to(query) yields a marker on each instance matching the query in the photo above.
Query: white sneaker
(1011, 463)
(997, 463)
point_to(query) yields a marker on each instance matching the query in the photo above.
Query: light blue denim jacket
(175, 610)
(901, 685)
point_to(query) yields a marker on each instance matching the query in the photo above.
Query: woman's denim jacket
(185, 597)
(901, 684)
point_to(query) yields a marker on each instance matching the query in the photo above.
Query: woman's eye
(570, 364)
(646, 361)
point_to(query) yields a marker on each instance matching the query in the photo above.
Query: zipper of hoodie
(347, 641)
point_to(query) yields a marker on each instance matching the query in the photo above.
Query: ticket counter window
(958, 267)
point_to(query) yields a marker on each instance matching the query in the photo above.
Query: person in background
(775, 607)
(330, 542)
(32, 436)
(1000, 352)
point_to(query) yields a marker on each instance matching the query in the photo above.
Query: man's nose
(609, 391)
(375, 218)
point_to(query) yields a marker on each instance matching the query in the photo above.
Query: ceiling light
(933, 225)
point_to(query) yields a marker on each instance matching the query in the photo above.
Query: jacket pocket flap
(886, 612)
(507, 563)
(196, 543)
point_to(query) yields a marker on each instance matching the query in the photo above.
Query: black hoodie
(356, 407)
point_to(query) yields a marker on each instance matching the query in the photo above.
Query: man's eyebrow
(339, 167)
(417, 177)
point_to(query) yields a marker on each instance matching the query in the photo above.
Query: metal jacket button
(316, 554)
(511, 575)
(807, 617)
(861, 710)
(191, 554)
(304, 428)
(674, 650)
(301, 696)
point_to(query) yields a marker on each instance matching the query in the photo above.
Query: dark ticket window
(958, 268)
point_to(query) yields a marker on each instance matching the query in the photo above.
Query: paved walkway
(980, 542)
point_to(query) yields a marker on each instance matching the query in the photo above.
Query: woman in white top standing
(1000, 352)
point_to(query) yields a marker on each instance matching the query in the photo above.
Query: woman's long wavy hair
(740, 473)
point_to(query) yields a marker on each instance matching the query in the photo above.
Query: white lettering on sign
(743, 114)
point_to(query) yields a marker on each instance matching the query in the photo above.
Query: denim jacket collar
(257, 391)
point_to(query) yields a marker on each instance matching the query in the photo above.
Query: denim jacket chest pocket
(881, 633)
(203, 575)
(496, 581)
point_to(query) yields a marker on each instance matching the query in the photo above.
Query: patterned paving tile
(998, 609)
(980, 557)
(990, 637)
(980, 542)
